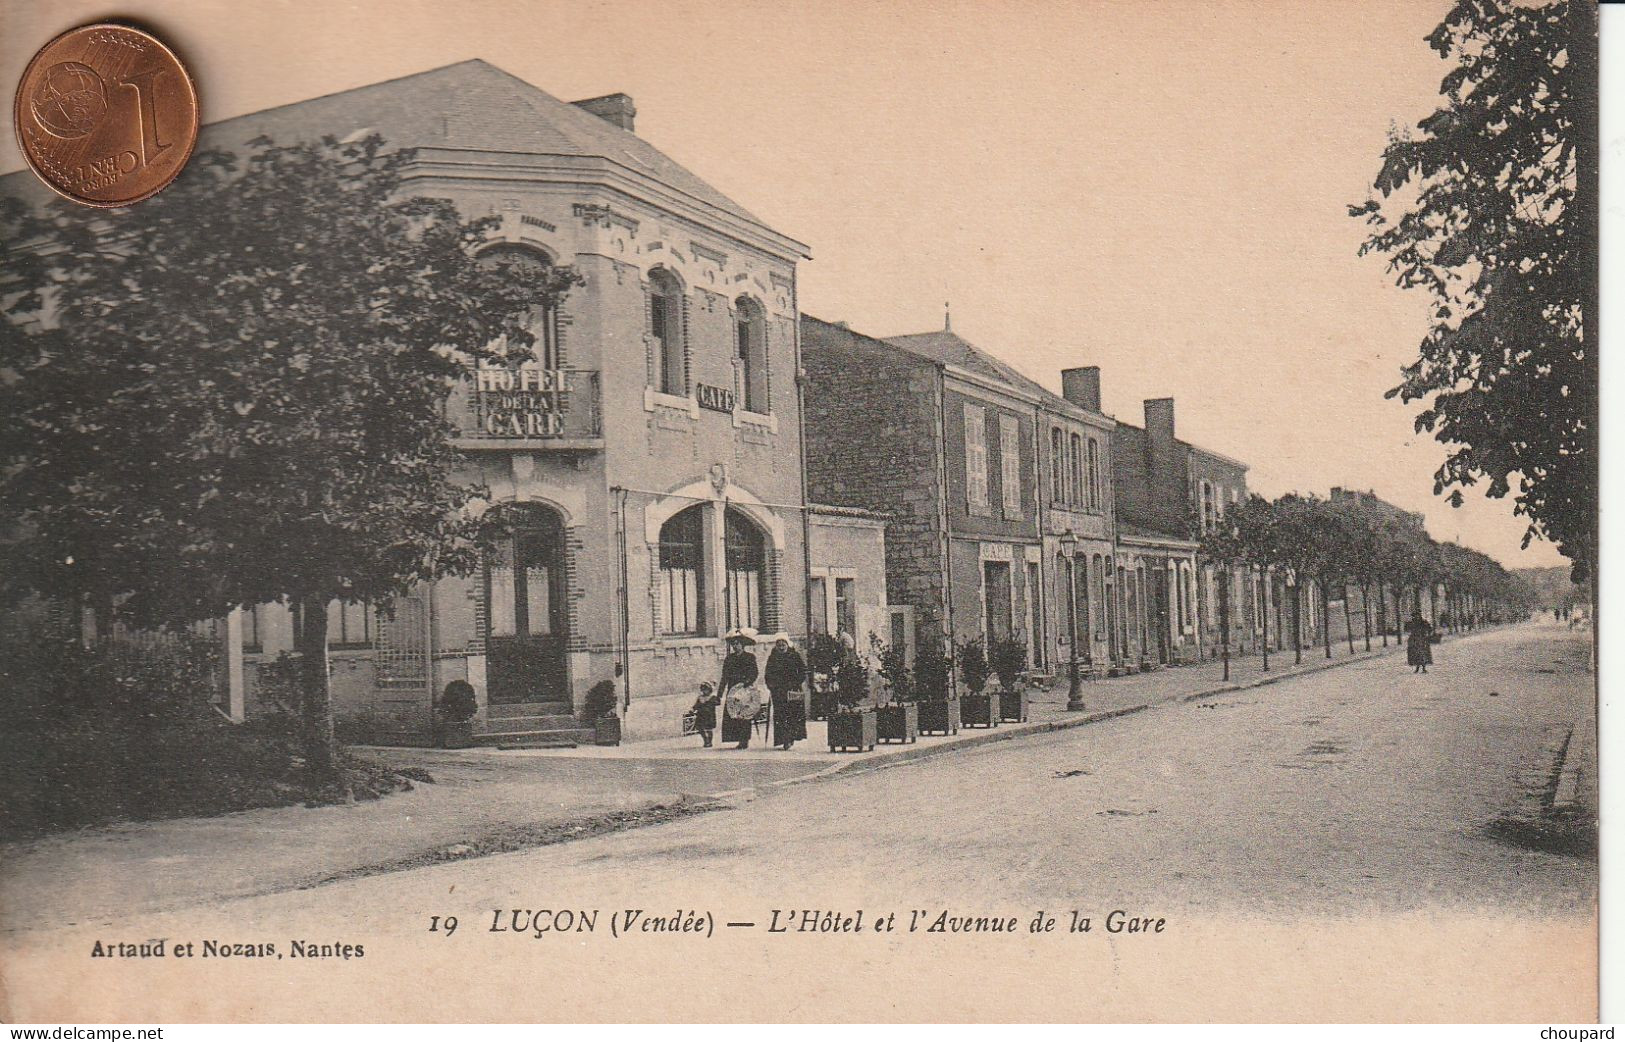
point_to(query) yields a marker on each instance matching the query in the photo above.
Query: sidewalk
(485, 800)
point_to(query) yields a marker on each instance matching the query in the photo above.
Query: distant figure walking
(1418, 643)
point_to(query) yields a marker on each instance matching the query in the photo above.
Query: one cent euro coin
(106, 115)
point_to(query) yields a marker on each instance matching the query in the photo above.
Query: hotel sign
(719, 399)
(520, 403)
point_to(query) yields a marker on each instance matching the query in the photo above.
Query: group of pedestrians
(739, 697)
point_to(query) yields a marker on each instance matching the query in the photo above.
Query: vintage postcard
(996, 510)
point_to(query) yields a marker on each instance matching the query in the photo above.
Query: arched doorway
(526, 624)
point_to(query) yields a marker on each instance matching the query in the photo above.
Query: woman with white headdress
(741, 698)
(786, 673)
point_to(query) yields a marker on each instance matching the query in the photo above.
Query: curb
(912, 753)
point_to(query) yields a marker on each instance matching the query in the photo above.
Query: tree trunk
(1348, 619)
(1365, 608)
(1326, 617)
(321, 741)
(1264, 617)
(1297, 623)
(1224, 622)
(1382, 610)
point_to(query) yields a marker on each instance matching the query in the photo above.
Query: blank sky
(1154, 188)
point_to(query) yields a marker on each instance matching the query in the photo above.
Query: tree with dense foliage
(1491, 208)
(234, 393)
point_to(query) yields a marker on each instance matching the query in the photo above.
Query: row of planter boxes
(904, 722)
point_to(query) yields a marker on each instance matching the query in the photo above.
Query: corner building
(647, 467)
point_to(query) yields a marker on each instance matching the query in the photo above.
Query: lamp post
(1069, 547)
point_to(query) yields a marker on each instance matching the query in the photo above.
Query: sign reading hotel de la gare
(521, 403)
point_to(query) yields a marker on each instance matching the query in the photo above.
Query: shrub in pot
(1008, 660)
(977, 708)
(934, 687)
(824, 654)
(898, 720)
(454, 715)
(600, 711)
(852, 726)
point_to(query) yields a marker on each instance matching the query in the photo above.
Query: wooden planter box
(939, 717)
(979, 710)
(852, 732)
(1013, 706)
(455, 736)
(898, 722)
(606, 730)
(820, 704)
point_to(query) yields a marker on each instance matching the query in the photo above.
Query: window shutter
(1010, 464)
(975, 458)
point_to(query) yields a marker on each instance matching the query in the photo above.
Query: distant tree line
(1357, 543)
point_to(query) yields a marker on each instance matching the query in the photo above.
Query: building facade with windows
(1168, 492)
(944, 440)
(644, 471)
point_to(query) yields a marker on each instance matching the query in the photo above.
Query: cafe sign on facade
(520, 403)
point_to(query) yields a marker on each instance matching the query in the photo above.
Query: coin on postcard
(106, 115)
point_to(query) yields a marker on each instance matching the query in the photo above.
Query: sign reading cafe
(520, 403)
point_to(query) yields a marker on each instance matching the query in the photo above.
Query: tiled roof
(470, 105)
(950, 348)
(1124, 528)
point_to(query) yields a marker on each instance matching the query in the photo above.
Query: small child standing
(705, 712)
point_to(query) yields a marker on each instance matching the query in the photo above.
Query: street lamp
(1069, 548)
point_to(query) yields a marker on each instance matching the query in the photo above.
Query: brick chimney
(1159, 418)
(1081, 387)
(611, 108)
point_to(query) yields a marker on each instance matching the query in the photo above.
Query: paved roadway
(1357, 796)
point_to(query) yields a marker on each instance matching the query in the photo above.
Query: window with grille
(1078, 494)
(745, 556)
(1057, 464)
(846, 608)
(1095, 498)
(682, 571)
(402, 656)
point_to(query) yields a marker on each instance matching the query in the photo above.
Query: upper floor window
(543, 323)
(1057, 464)
(1010, 464)
(976, 482)
(1210, 508)
(750, 344)
(1077, 492)
(1095, 484)
(666, 330)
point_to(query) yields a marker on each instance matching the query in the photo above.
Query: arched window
(745, 554)
(1080, 588)
(682, 572)
(666, 330)
(1057, 465)
(543, 323)
(750, 343)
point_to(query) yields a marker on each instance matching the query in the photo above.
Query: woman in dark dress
(739, 668)
(1418, 643)
(786, 672)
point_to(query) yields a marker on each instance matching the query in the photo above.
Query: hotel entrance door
(525, 622)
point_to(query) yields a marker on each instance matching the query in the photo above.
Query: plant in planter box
(977, 708)
(852, 726)
(934, 686)
(899, 719)
(824, 654)
(600, 711)
(1008, 660)
(454, 715)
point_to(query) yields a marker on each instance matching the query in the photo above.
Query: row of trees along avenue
(1352, 543)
